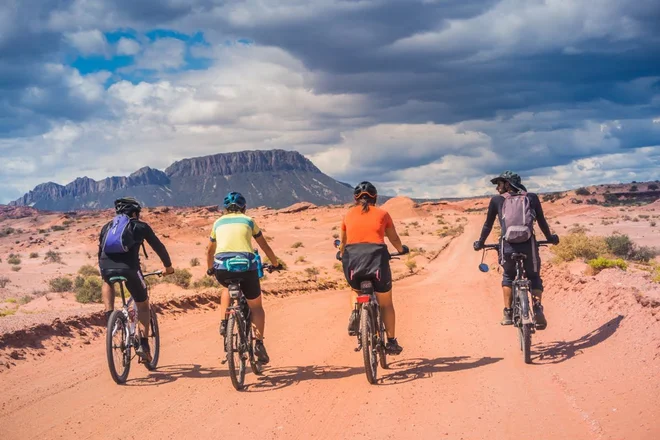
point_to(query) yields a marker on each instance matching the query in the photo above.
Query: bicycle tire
(526, 331)
(154, 340)
(233, 345)
(382, 352)
(368, 349)
(118, 318)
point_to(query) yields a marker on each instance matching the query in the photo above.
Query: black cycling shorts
(531, 266)
(250, 284)
(367, 262)
(134, 281)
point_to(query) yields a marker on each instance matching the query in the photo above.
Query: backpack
(119, 236)
(517, 217)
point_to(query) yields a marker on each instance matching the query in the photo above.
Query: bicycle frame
(367, 301)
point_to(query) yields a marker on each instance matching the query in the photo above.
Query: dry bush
(4, 281)
(297, 244)
(88, 289)
(53, 257)
(205, 282)
(16, 268)
(301, 259)
(60, 284)
(88, 270)
(580, 246)
(194, 262)
(180, 277)
(411, 264)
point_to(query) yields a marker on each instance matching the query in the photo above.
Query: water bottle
(260, 267)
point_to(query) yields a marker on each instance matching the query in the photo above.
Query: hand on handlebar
(338, 256)
(478, 245)
(270, 268)
(210, 272)
(554, 239)
(168, 270)
(406, 250)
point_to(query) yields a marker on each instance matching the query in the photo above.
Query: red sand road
(461, 375)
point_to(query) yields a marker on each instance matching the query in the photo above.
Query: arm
(157, 246)
(343, 237)
(210, 255)
(103, 229)
(490, 220)
(263, 244)
(394, 238)
(540, 217)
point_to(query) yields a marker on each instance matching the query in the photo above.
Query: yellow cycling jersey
(233, 232)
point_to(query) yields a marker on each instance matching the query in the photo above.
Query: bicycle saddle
(518, 256)
(117, 279)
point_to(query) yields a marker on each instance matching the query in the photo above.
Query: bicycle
(372, 337)
(522, 314)
(239, 337)
(122, 336)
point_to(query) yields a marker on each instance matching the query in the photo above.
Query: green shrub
(58, 228)
(180, 277)
(13, 259)
(205, 282)
(16, 268)
(620, 245)
(88, 270)
(88, 289)
(653, 187)
(194, 262)
(53, 257)
(643, 254)
(634, 188)
(60, 284)
(34, 255)
(297, 244)
(4, 281)
(582, 192)
(600, 263)
(580, 246)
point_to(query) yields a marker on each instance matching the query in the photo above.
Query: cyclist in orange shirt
(364, 256)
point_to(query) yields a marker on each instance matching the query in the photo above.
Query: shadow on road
(171, 373)
(281, 377)
(561, 351)
(420, 368)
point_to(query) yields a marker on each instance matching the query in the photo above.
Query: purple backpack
(119, 236)
(517, 217)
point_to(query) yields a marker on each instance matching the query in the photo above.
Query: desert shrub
(88, 289)
(296, 227)
(634, 188)
(88, 270)
(13, 259)
(592, 201)
(16, 268)
(335, 235)
(338, 267)
(644, 216)
(53, 257)
(411, 264)
(313, 219)
(205, 282)
(643, 253)
(415, 224)
(578, 229)
(194, 262)
(582, 192)
(7, 312)
(580, 246)
(3, 282)
(25, 299)
(312, 272)
(301, 259)
(451, 232)
(180, 277)
(600, 263)
(34, 255)
(60, 284)
(620, 245)
(297, 244)
(635, 219)
(653, 187)
(57, 228)
(652, 224)
(405, 233)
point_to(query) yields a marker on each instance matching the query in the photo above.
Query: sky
(425, 98)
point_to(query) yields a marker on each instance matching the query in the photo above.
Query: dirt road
(460, 376)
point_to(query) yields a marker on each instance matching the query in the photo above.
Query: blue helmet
(234, 199)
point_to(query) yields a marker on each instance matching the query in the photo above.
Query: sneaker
(107, 316)
(354, 323)
(393, 347)
(541, 322)
(507, 318)
(260, 352)
(223, 328)
(143, 351)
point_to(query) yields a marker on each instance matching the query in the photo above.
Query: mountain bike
(372, 337)
(122, 339)
(523, 315)
(240, 339)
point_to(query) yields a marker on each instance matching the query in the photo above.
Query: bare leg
(507, 293)
(108, 295)
(387, 310)
(224, 303)
(143, 317)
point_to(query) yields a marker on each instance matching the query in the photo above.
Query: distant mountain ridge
(273, 178)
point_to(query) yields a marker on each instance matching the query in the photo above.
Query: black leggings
(250, 284)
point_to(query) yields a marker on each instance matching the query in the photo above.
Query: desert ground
(595, 371)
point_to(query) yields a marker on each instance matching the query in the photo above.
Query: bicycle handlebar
(270, 268)
(149, 274)
(497, 245)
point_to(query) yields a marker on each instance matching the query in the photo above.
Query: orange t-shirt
(366, 227)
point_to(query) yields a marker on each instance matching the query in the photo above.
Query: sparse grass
(16, 268)
(53, 257)
(11, 300)
(205, 282)
(414, 224)
(578, 229)
(88, 270)
(411, 264)
(25, 299)
(580, 246)
(297, 244)
(180, 277)
(13, 259)
(7, 312)
(60, 284)
(194, 262)
(454, 231)
(312, 272)
(88, 289)
(338, 267)
(34, 255)
(4, 281)
(601, 263)
(301, 259)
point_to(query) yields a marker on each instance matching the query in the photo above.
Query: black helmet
(509, 176)
(365, 189)
(127, 205)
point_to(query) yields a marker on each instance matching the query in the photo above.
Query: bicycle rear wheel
(368, 345)
(382, 353)
(236, 351)
(117, 348)
(154, 340)
(526, 342)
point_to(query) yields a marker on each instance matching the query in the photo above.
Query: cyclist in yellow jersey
(230, 253)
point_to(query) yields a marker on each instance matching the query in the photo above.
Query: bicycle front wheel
(117, 347)
(382, 353)
(236, 351)
(368, 338)
(526, 342)
(154, 339)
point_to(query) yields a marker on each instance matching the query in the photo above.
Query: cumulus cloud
(426, 98)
